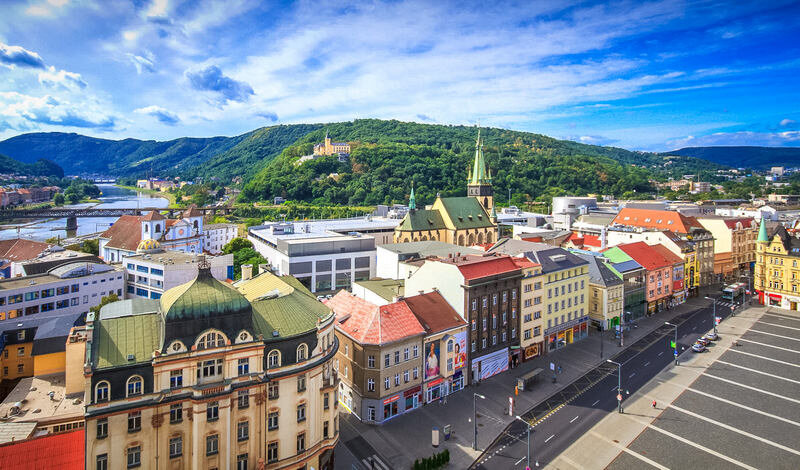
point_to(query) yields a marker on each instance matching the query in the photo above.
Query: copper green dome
(202, 298)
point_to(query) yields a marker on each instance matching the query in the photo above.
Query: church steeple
(412, 201)
(479, 183)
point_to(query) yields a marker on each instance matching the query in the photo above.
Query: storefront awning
(774, 296)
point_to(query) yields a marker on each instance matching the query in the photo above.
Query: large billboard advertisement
(431, 359)
(460, 350)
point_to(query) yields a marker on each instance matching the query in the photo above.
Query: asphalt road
(572, 411)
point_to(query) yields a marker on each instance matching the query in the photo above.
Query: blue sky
(641, 75)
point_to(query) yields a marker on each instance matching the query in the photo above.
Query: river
(112, 197)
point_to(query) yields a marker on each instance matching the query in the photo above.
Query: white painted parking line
(613, 388)
(785, 317)
(764, 413)
(769, 345)
(779, 326)
(659, 354)
(573, 419)
(548, 439)
(756, 371)
(765, 358)
(630, 376)
(736, 430)
(766, 392)
(596, 402)
(698, 446)
(646, 363)
(773, 334)
(630, 452)
(379, 464)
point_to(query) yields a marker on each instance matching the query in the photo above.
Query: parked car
(711, 336)
(703, 341)
(698, 347)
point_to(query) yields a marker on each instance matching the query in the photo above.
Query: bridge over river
(72, 213)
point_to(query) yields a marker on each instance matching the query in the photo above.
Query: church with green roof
(463, 221)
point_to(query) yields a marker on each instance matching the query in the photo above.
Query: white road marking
(596, 402)
(766, 358)
(630, 452)
(613, 388)
(785, 317)
(703, 448)
(378, 463)
(548, 439)
(769, 345)
(779, 326)
(773, 334)
(659, 354)
(573, 419)
(646, 363)
(756, 371)
(751, 388)
(632, 375)
(736, 430)
(764, 413)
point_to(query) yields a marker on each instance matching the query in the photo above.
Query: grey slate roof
(428, 248)
(599, 273)
(555, 259)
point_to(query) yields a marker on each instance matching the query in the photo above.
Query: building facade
(606, 293)
(213, 376)
(734, 245)
(777, 269)
(531, 321)
(217, 236)
(124, 236)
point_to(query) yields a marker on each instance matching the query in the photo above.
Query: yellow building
(213, 376)
(777, 271)
(531, 319)
(331, 148)
(606, 293)
(463, 221)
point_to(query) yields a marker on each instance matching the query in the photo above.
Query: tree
(107, 299)
(236, 244)
(58, 199)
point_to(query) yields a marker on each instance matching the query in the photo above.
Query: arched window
(450, 346)
(134, 386)
(461, 240)
(211, 340)
(471, 239)
(480, 239)
(158, 228)
(302, 352)
(273, 359)
(195, 225)
(486, 203)
(146, 228)
(102, 391)
(489, 237)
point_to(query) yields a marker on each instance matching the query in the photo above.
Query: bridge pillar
(72, 223)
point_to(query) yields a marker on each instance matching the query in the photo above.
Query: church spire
(412, 201)
(762, 231)
(478, 173)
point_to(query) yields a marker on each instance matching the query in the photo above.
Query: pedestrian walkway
(408, 436)
(611, 439)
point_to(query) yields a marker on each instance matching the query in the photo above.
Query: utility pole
(475, 419)
(530, 429)
(675, 353)
(713, 314)
(619, 384)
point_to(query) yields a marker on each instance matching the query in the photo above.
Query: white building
(151, 270)
(217, 236)
(400, 260)
(68, 289)
(767, 212)
(320, 258)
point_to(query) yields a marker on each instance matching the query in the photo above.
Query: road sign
(673, 345)
(619, 397)
(552, 366)
(675, 353)
(717, 320)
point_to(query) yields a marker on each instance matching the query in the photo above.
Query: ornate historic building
(213, 376)
(461, 221)
(777, 270)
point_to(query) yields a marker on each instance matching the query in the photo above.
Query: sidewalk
(408, 436)
(598, 447)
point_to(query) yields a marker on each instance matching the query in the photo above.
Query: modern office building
(213, 376)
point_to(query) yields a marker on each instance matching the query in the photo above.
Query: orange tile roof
(20, 249)
(524, 263)
(153, 215)
(368, 323)
(64, 451)
(650, 257)
(126, 233)
(433, 312)
(661, 220)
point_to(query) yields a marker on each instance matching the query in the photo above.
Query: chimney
(262, 268)
(247, 272)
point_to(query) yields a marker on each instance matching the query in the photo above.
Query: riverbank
(168, 196)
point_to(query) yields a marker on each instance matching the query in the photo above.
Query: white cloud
(164, 116)
(767, 139)
(20, 111)
(61, 78)
(158, 8)
(144, 62)
(788, 122)
(48, 8)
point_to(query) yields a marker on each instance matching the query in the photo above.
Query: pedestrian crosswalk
(724, 303)
(373, 462)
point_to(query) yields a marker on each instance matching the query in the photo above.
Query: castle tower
(479, 183)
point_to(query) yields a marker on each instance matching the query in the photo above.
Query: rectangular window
(301, 442)
(212, 411)
(134, 421)
(272, 390)
(397, 357)
(241, 462)
(371, 362)
(370, 385)
(134, 456)
(176, 378)
(526, 334)
(472, 347)
(416, 351)
(405, 376)
(243, 431)
(102, 462)
(243, 366)
(386, 383)
(301, 382)
(212, 444)
(386, 360)
(243, 399)
(449, 365)
(325, 401)
(272, 452)
(396, 379)
(405, 354)
(325, 430)
(175, 447)
(272, 421)
(301, 413)
(537, 331)
(176, 413)
(102, 428)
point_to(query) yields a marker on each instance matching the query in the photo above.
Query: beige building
(331, 148)
(606, 293)
(734, 245)
(212, 376)
(531, 304)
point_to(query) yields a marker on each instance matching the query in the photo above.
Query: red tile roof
(433, 312)
(192, 211)
(649, 256)
(20, 249)
(746, 222)
(651, 218)
(153, 215)
(524, 263)
(368, 323)
(578, 239)
(64, 451)
(126, 233)
(478, 266)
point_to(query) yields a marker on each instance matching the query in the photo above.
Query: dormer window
(102, 391)
(302, 352)
(274, 359)
(134, 386)
(211, 340)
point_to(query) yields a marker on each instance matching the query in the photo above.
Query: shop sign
(531, 351)
(436, 382)
(392, 399)
(412, 391)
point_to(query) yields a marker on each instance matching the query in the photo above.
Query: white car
(711, 336)
(698, 347)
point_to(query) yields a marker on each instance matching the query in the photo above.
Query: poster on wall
(431, 359)
(460, 350)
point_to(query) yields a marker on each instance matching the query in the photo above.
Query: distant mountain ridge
(41, 167)
(747, 157)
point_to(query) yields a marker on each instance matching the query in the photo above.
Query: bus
(734, 292)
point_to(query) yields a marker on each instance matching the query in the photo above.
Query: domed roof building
(148, 245)
(204, 351)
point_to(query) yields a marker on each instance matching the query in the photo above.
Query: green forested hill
(388, 155)
(747, 157)
(40, 167)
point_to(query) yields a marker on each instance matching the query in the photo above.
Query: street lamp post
(530, 428)
(601, 342)
(475, 419)
(713, 314)
(676, 340)
(619, 384)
